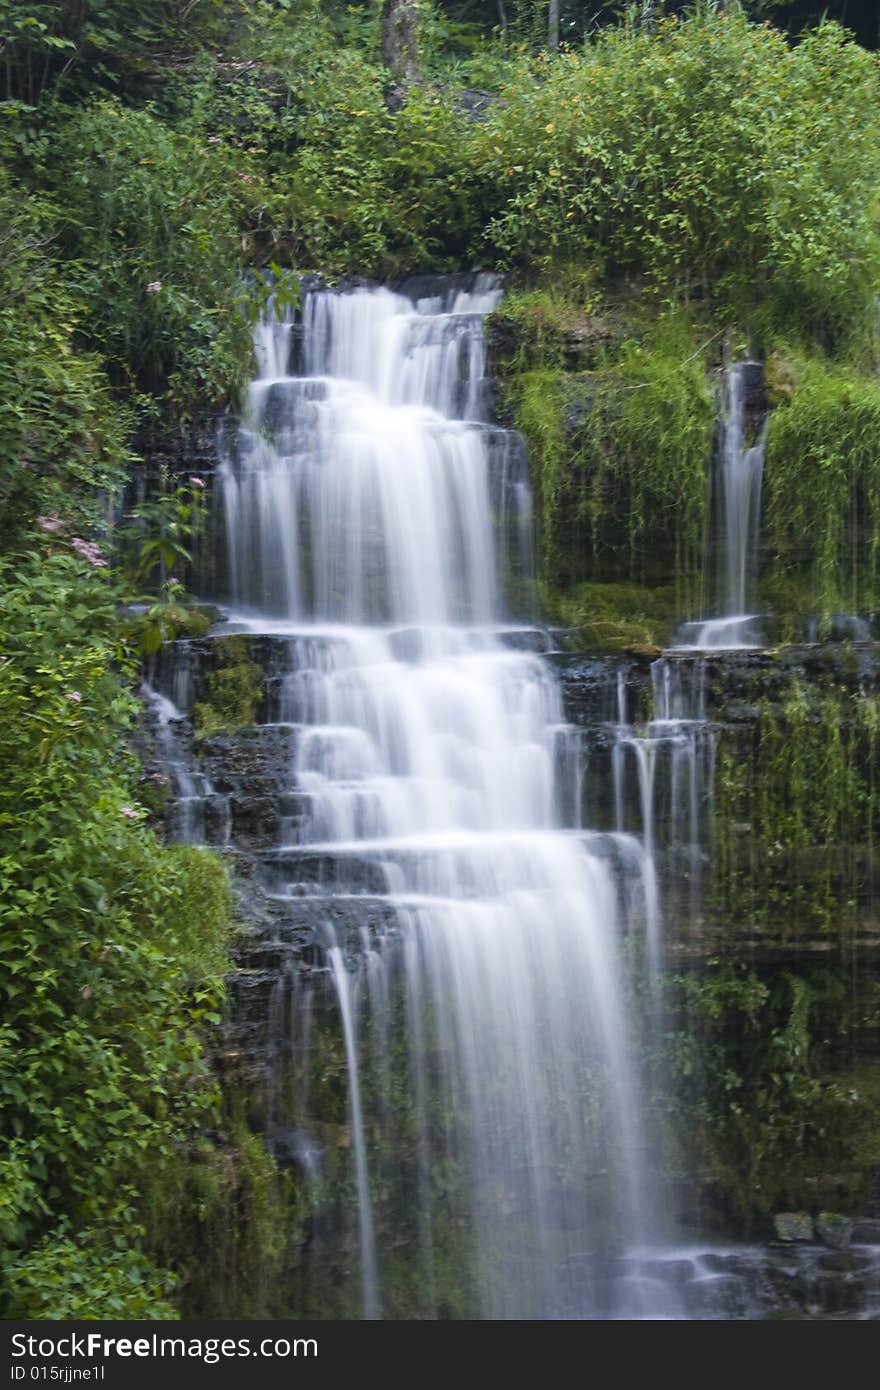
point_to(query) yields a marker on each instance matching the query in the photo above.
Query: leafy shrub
(86, 1277)
(62, 437)
(151, 222)
(112, 947)
(707, 153)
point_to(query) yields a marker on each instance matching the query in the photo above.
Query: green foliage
(62, 439)
(619, 457)
(373, 191)
(156, 539)
(112, 951)
(233, 690)
(707, 153)
(150, 220)
(755, 1109)
(796, 811)
(822, 514)
(86, 1277)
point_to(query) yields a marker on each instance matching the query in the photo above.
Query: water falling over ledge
(738, 478)
(374, 521)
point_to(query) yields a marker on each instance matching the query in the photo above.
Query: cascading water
(374, 519)
(739, 476)
(194, 807)
(673, 755)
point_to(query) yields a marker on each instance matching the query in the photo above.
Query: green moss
(563, 320)
(202, 925)
(620, 456)
(805, 793)
(614, 617)
(233, 690)
(758, 1107)
(540, 417)
(822, 514)
(223, 1220)
(194, 622)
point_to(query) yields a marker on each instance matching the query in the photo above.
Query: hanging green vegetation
(796, 812)
(620, 457)
(822, 482)
(759, 1109)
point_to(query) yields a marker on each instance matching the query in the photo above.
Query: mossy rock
(233, 690)
(630, 618)
(196, 621)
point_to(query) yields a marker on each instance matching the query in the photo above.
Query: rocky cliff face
(771, 936)
(748, 781)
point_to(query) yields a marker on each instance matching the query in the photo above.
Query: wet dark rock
(254, 763)
(754, 385)
(589, 687)
(844, 1261)
(191, 447)
(866, 1232)
(294, 1147)
(296, 872)
(716, 1296)
(834, 1230)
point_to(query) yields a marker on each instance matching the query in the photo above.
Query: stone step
(435, 868)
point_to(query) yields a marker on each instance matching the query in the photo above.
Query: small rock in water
(793, 1225)
(834, 1230)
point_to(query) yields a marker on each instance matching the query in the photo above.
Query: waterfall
(739, 474)
(195, 812)
(673, 756)
(375, 521)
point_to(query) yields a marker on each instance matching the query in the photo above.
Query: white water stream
(374, 518)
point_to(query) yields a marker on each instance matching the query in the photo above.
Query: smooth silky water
(379, 524)
(738, 477)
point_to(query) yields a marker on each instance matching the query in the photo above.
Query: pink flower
(154, 287)
(246, 178)
(129, 812)
(74, 695)
(50, 523)
(89, 551)
(198, 482)
(172, 579)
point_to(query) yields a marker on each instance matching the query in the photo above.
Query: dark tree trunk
(502, 20)
(553, 25)
(400, 47)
